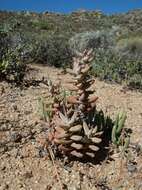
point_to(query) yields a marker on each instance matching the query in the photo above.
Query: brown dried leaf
(85, 70)
(61, 135)
(62, 141)
(71, 87)
(56, 105)
(63, 118)
(93, 105)
(92, 155)
(96, 140)
(99, 133)
(89, 52)
(82, 97)
(59, 122)
(76, 154)
(72, 99)
(59, 129)
(79, 77)
(76, 138)
(80, 92)
(92, 99)
(73, 118)
(70, 71)
(76, 128)
(86, 129)
(93, 147)
(81, 106)
(85, 58)
(94, 130)
(77, 146)
(90, 59)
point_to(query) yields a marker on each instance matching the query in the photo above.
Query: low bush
(130, 46)
(13, 65)
(112, 67)
(94, 40)
(135, 81)
(42, 25)
(4, 43)
(53, 51)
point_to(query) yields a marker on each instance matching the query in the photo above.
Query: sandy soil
(25, 166)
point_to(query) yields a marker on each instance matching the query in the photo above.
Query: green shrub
(94, 39)
(110, 66)
(53, 51)
(121, 65)
(131, 46)
(43, 25)
(135, 81)
(4, 43)
(12, 65)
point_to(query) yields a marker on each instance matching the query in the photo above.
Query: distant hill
(79, 21)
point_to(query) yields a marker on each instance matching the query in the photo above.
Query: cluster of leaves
(117, 128)
(120, 136)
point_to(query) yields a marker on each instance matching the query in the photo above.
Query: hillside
(79, 21)
(52, 39)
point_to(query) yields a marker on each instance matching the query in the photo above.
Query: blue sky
(65, 6)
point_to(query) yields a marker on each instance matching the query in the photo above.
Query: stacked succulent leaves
(74, 132)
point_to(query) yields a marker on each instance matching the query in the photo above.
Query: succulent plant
(73, 129)
(118, 138)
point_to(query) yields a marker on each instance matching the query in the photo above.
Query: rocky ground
(24, 166)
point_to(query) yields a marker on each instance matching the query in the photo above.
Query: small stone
(15, 137)
(28, 174)
(131, 166)
(15, 107)
(43, 85)
(4, 187)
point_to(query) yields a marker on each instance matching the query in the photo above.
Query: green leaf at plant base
(122, 118)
